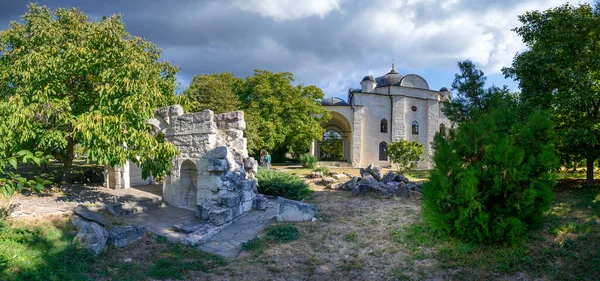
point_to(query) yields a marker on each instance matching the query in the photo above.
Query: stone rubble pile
(93, 235)
(390, 184)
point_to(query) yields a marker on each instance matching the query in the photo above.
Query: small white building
(385, 109)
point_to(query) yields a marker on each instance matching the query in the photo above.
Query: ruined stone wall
(213, 174)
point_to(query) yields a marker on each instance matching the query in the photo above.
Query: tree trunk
(590, 171)
(68, 161)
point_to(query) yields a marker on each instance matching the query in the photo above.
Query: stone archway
(188, 184)
(338, 136)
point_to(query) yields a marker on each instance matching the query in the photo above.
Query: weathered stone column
(357, 120)
(398, 124)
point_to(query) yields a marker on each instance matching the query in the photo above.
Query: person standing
(268, 161)
(261, 162)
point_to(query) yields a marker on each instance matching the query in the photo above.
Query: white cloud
(282, 10)
(421, 35)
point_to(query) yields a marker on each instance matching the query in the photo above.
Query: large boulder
(290, 210)
(92, 236)
(85, 213)
(121, 236)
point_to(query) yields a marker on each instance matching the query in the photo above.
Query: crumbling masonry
(213, 174)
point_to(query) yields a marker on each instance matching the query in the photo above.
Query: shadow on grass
(41, 253)
(566, 247)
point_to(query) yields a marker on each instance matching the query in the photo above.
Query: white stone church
(385, 109)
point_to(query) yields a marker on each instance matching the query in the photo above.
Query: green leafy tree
(405, 154)
(216, 92)
(283, 116)
(332, 147)
(559, 71)
(74, 81)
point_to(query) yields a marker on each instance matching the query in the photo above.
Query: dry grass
(351, 240)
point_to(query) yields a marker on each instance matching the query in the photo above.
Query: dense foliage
(277, 183)
(308, 160)
(405, 154)
(212, 91)
(280, 117)
(559, 72)
(66, 80)
(494, 173)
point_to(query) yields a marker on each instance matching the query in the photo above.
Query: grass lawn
(354, 238)
(41, 250)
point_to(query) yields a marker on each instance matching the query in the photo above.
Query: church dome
(444, 89)
(391, 78)
(333, 102)
(368, 78)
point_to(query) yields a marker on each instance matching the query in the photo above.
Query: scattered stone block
(401, 178)
(121, 236)
(92, 236)
(415, 195)
(290, 210)
(190, 227)
(340, 176)
(335, 186)
(217, 165)
(373, 170)
(327, 181)
(114, 208)
(78, 221)
(229, 199)
(389, 176)
(220, 152)
(219, 216)
(260, 203)
(404, 190)
(85, 213)
(315, 175)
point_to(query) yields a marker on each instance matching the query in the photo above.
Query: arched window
(383, 151)
(415, 128)
(442, 129)
(383, 126)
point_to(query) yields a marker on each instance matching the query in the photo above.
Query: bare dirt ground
(351, 240)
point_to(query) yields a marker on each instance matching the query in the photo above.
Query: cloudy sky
(328, 43)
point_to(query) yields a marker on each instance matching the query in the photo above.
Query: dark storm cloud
(327, 43)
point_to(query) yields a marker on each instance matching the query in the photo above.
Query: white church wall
(376, 108)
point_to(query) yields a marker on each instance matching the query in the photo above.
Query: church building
(385, 109)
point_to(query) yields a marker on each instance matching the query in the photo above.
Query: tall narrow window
(383, 126)
(442, 129)
(383, 151)
(415, 128)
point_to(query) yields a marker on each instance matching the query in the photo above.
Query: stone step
(132, 207)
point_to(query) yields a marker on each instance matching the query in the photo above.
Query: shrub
(323, 169)
(283, 233)
(279, 183)
(308, 161)
(405, 154)
(493, 177)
